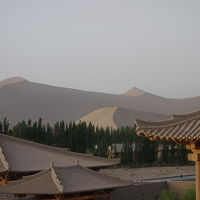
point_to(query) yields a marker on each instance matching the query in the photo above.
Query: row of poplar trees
(83, 138)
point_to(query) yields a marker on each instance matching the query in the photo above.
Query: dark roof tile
(25, 156)
(63, 180)
(180, 128)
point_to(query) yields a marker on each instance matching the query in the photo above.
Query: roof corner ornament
(56, 179)
(3, 159)
(77, 162)
(51, 164)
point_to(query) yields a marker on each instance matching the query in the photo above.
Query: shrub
(168, 195)
(189, 195)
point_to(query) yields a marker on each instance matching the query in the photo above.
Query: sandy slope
(10, 81)
(134, 92)
(22, 99)
(102, 117)
(117, 117)
(136, 174)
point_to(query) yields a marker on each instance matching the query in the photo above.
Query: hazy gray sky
(103, 45)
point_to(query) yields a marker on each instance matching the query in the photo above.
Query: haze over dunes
(21, 100)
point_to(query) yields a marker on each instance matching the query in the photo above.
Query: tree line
(86, 138)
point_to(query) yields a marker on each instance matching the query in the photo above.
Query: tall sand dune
(10, 81)
(118, 117)
(21, 100)
(102, 117)
(134, 92)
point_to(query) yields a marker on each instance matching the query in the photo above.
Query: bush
(189, 195)
(168, 195)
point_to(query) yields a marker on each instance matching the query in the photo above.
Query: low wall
(145, 191)
(179, 187)
(151, 191)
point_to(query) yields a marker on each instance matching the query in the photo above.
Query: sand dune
(10, 81)
(102, 117)
(134, 92)
(125, 117)
(21, 99)
(117, 117)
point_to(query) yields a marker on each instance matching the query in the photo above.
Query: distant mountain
(21, 99)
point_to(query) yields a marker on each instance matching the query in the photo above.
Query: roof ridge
(194, 113)
(64, 167)
(32, 142)
(102, 175)
(26, 178)
(49, 183)
(56, 180)
(3, 159)
(165, 123)
(96, 157)
(98, 174)
(56, 149)
(39, 145)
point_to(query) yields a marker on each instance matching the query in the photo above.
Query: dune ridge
(116, 117)
(134, 92)
(22, 99)
(102, 117)
(11, 81)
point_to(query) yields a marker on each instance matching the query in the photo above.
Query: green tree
(168, 195)
(189, 195)
(1, 127)
(5, 125)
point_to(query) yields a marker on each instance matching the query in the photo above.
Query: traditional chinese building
(182, 129)
(68, 183)
(20, 157)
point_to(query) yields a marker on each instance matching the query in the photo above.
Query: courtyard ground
(137, 174)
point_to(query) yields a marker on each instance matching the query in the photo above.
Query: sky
(103, 45)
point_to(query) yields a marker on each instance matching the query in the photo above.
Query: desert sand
(137, 174)
(134, 92)
(22, 99)
(116, 117)
(102, 117)
(10, 81)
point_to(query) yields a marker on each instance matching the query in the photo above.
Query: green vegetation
(168, 195)
(189, 195)
(83, 138)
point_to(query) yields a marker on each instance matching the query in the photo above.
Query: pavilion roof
(20, 155)
(62, 180)
(180, 128)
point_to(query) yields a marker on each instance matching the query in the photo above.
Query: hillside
(21, 99)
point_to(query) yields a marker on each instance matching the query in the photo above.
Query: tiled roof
(24, 156)
(180, 128)
(3, 163)
(62, 180)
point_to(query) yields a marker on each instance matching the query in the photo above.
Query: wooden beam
(2, 182)
(197, 169)
(188, 146)
(94, 196)
(194, 157)
(194, 146)
(196, 151)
